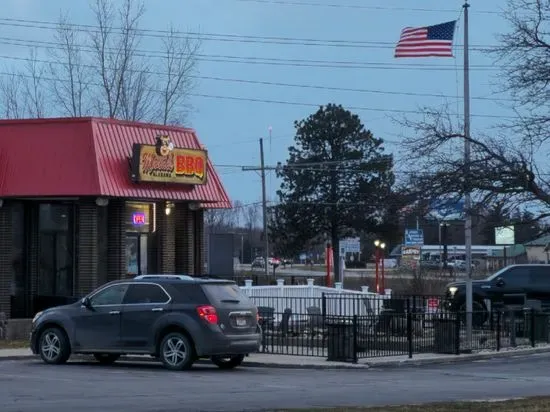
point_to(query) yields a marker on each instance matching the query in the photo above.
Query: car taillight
(208, 313)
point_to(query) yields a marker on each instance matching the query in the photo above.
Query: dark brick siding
(184, 253)
(166, 240)
(87, 247)
(200, 242)
(5, 259)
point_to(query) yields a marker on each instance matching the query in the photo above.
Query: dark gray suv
(177, 319)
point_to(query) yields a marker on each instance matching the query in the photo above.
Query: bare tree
(506, 165)
(252, 214)
(114, 50)
(500, 169)
(34, 86)
(220, 220)
(69, 84)
(178, 64)
(11, 96)
(525, 54)
(137, 97)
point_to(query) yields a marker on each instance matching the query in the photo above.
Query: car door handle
(157, 309)
(114, 312)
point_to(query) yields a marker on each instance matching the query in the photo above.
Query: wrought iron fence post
(355, 339)
(498, 330)
(457, 333)
(533, 323)
(324, 306)
(409, 329)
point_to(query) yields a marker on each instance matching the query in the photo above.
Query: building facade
(85, 201)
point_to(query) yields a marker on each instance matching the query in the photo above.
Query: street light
(378, 246)
(382, 247)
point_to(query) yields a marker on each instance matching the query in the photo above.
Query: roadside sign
(414, 236)
(432, 305)
(350, 245)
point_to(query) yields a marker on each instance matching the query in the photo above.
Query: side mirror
(500, 282)
(86, 303)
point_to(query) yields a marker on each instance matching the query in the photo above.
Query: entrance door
(55, 255)
(136, 254)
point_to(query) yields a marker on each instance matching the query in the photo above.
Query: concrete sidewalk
(310, 362)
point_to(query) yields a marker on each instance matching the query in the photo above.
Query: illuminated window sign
(138, 218)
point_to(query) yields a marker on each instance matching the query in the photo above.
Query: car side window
(517, 276)
(540, 275)
(112, 295)
(145, 293)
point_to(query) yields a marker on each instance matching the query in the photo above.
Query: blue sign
(350, 245)
(414, 237)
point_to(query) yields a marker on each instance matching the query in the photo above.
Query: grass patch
(537, 404)
(14, 344)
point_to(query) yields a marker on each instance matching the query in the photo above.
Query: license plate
(241, 321)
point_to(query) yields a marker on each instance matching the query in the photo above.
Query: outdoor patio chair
(316, 324)
(266, 322)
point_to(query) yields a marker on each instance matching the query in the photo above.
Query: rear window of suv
(226, 293)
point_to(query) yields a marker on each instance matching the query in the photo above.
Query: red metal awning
(90, 157)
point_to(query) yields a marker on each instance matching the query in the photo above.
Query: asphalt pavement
(30, 385)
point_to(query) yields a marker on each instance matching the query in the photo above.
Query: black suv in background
(511, 285)
(177, 319)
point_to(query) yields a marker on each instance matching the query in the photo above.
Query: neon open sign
(138, 218)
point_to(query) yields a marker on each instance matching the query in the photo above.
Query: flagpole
(467, 194)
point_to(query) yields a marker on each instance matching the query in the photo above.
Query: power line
(270, 61)
(225, 37)
(354, 6)
(269, 83)
(270, 101)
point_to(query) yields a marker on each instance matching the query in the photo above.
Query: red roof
(90, 157)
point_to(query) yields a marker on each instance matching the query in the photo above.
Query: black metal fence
(350, 327)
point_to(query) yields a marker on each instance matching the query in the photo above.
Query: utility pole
(262, 169)
(467, 195)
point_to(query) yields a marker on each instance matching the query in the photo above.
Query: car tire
(228, 362)
(54, 347)
(479, 316)
(106, 358)
(177, 352)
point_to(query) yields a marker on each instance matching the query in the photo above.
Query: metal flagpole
(467, 195)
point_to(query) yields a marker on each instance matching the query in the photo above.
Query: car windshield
(225, 292)
(497, 274)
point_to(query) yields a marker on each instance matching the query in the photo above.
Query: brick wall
(184, 239)
(5, 259)
(116, 257)
(200, 242)
(166, 240)
(88, 254)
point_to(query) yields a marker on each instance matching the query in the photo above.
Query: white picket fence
(339, 301)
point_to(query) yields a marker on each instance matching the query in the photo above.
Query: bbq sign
(165, 163)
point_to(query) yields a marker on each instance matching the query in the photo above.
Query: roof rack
(161, 276)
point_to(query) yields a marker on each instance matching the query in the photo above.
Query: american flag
(430, 41)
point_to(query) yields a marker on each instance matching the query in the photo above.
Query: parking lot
(33, 386)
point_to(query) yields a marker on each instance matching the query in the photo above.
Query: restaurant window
(56, 250)
(140, 224)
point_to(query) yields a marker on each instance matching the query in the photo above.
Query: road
(31, 386)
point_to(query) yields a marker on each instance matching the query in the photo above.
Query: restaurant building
(84, 201)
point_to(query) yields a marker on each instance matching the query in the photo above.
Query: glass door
(136, 254)
(55, 255)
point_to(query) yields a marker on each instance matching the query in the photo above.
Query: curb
(338, 366)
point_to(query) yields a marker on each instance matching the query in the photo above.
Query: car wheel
(54, 346)
(106, 358)
(479, 314)
(177, 352)
(228, 362)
